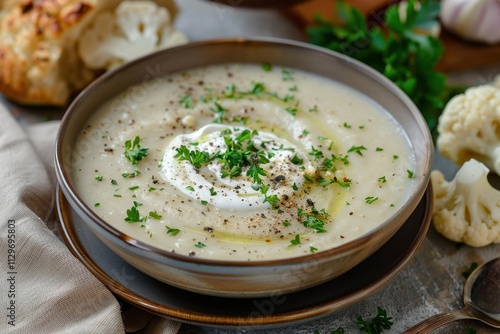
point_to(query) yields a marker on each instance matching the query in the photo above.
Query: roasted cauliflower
(467, 209)
(134, 29)
(469, 127)
(39, 43)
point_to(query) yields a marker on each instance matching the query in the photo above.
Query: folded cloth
(44, 289)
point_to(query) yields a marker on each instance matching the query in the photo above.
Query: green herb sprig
(134, 152)
(394, 48)
(376, 325)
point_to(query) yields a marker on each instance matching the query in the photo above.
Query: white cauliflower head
(467, 209)
(469, 127)
(133, 29)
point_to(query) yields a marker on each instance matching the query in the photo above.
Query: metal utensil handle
(438, 320)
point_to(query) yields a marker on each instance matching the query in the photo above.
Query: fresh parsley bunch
(394, 47)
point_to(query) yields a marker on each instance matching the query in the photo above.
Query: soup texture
(243, 162)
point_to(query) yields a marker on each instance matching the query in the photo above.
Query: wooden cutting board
(458, 54)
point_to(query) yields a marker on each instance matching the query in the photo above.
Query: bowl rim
(70, 191)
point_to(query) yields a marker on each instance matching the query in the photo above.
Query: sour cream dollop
(209, 184)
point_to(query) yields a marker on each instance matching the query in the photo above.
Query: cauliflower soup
(243, 162)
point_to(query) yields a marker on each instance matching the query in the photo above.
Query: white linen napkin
(43, 288)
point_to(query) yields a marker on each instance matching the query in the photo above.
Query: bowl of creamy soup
(242, 167)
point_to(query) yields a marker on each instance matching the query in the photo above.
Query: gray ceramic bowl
(232, 278)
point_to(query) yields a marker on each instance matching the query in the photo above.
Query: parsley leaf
(154, 215)
(187, 101)
(133, 215)
(380, 322)
(295, 241)
(469, 271)
(315, 219)
(357, 149)
(196, 158)
(172, 231)
(134, 152)
(267, 67)
(200, 244)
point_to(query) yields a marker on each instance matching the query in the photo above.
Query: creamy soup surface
(243, 162)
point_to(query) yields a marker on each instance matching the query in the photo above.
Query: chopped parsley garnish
(296, 160)
(240, 153)
(203, 202)
(273, 200)
(212, 192)
(347, 125)
(190, 188)
(99, 178)
(200, 244)
(291, 110)
(137, 204)
(154, 215)
(382, 179)
(117, 195)
(315, 219)
(312, 249)
(286, 75)
(410, 173)
(133, 216)
(339, 330)
(230, 91)
(267, 67)
(172, 231)
(469, 271)
(219, 112)
(317, 154)
(294, 187)
(196, 158)
(113, 182)
(313, 109)
(379, 149)
(308, 178)
(357, 149)
(133, 188)
(134, 152)
(380, 322)
(370, 199)
(131, 175)
(151, 189)
(395, 157)
(470, 330)
(295, 241)
(97, 205)
(255, 172)
(256, 89)
(187, 101)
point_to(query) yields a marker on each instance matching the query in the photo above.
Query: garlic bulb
(476, 20)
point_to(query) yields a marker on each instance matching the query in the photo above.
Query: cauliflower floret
(134, 29)
(467, 209)
(469, 127)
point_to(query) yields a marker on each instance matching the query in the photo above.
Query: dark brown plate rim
(231, 312)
